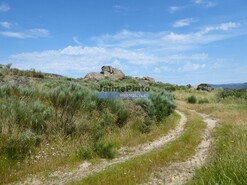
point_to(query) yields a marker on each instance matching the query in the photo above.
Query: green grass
(229, 164)
(138, 170)
(46, 110)
(133, 136)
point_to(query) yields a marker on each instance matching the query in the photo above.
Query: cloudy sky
(181, 42)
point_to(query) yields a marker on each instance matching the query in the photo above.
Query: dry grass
(138, 170)
(228, 164)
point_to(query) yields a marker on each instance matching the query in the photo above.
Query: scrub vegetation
(54, 120)
(49, 122)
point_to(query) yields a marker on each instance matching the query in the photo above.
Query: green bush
(107, 118)
(123, 115)
(98, 133)
(202, 101)
(28, 73)
(147, 105)
(85, 153)
(40, 117)
(164, 104)
(106, 149)
(114, 105)
(236, 93)
(67, 100)
(192, 99)
(18, 146)
(159, 105)
(145, 127)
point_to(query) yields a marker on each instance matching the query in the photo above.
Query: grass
(133, 136)
(59, 153)
(138, 170)
(227, 164)
(54, 109)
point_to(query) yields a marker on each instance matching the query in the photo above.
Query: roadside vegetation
(138, 170)
(227, 163)
(56, 121)
(49, 122)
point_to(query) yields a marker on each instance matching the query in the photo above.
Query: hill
(230, 86)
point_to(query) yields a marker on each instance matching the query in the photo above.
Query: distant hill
(231, 86)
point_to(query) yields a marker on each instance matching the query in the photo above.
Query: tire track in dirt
(125, 153)
(180, 172)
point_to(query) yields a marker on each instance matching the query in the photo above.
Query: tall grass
(229, 165)
(138, 170)
(38, 114)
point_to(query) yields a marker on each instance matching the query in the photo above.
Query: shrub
(144, 129)
(19, 146)
(28, 73)
(122, 117)
(21, 113)
(105, 149)
(236, 93)
(40, 117)
(98, 133)
(114, 105)
(147, 106)
(202, 101)
(68, 99)
(159, 105)
(164, 104)
(107, 118)
(85, 152)
(192, 99)
(145, 126)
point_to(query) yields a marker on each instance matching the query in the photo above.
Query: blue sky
(180, 42)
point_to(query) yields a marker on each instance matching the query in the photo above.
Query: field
(56, 130)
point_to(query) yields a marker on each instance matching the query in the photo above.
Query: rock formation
(204, 87)
(149, 79)
(106, 72)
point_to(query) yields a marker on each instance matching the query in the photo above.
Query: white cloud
(222, 27)
(76, 40)
(4, 7)
(78, 58)
(198, 1)
(173, 9)
(168, 41)
(205, 3)
(13, 34)
(31, 33)
(189, 66)
(82, 60)
(6, 24)
(184, 22)
(134, 51)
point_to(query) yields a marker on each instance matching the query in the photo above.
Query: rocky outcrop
(149, 79)
(204, 87)
(94, 76)
(106, 72)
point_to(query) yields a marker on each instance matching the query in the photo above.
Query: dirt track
(181, 170)
(179, 173)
